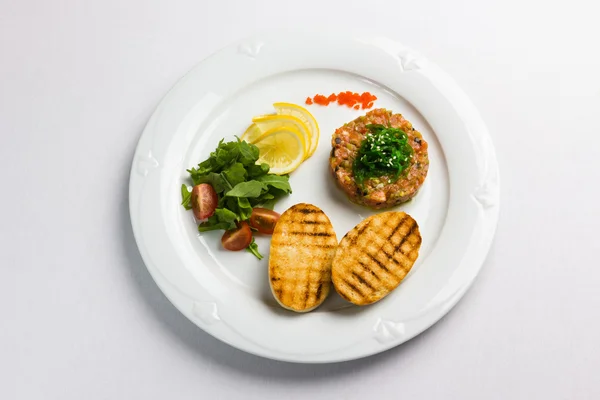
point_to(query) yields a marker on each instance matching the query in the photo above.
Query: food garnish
(363, 273)
(284, 139)
(349, 99)
(384, 151)
(306, 117)
(266, 123)
(282, 149)
(239, 184)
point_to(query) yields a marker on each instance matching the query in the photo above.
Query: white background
(81, 317)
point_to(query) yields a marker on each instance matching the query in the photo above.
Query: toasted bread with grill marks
(302, 248)
(375, 256)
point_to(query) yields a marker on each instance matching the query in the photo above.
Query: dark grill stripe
(361, 280)
(383, 267)
(410, 233)
(319, 290)
(369, 269)
(362, 228)
(354, 288)
(307, 211)
(398, 226)
(314, 222)
(299, 233)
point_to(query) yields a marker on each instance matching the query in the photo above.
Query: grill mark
(324, 246)
(362, 228)
(354, 288)
(383, 267)
(389, 256)
(278, 292)
(319, 290)
(307, 211)
(410, 233)
(343, 296)
(314, 222)
(398, 226)
(299, 233)
(370, 270)
(361, 280)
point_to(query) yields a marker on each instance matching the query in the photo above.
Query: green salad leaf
(235, 174)
(257, 170)
(247, 189)
(276, 181)
(186, 197)
(240, 183)
(215, 180)
(253, 249)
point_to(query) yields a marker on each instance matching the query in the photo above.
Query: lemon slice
(305, 116)
(252, 133)
(282, 148)
(267, 123)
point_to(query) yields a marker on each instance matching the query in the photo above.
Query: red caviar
(321, 100)
(349, 99)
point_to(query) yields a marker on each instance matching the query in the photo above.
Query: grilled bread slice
(374, 257)
(302, 248)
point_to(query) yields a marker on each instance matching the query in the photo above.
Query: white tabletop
(83, 318)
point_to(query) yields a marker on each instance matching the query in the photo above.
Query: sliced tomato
(264, 220)
(204, 201)
(237, 239)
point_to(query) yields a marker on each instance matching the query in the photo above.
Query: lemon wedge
(252, 133)
(306, 117)
(266, 123)
(282, 148)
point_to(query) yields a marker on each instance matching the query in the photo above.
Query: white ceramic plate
(227, 293)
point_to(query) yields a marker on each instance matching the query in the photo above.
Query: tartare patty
(386, 190)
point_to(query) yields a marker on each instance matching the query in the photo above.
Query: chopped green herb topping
(384, 151)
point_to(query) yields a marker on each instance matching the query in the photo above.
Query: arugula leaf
(263, 198)
(227, 216)
(244, 208)
(186, 196)
(204, 168)
(253, 249)
(235, 174)
(213, 224)
(275, 195)
(247, 189)
(215, 180)
(269, 204)
(248, 153)
(256, 170)
(279, 182)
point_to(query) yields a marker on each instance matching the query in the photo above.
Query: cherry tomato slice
(204, 201)
(237, 239)
(264, 220)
